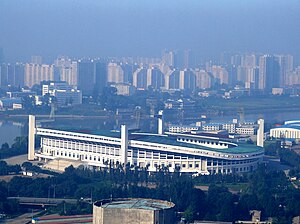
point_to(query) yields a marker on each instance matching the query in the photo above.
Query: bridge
(31, 201)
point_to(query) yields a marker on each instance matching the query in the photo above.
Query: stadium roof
(241, 148)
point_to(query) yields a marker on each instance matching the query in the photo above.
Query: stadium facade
(183, 152)
(290, 129)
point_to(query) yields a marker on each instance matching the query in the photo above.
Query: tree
(5, 146)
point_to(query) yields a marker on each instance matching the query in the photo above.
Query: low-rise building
(64, 93)
(10, 103)
(182, 128)
(124, 89)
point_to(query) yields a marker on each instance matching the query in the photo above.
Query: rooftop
(292, 126)
(167, 140)
(171, 140)
(135, 203)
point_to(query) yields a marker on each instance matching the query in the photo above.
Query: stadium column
(124, 144)
(31, 137)
(260, 133)
(160, 122)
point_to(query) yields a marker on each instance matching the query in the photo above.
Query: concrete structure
(260, 133)
(290, 129)
(186, 152)
(133, 210)
(31, 137)
(160, 122)
(124, 144)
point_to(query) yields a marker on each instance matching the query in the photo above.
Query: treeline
(268, 191)
(19, 147)
(6, 169)
(287, 156)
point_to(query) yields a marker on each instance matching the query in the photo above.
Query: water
(269, 117)
(9, 130)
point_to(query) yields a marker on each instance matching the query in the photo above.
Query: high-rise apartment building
(35, 73)
(203, 79)
(19, 74)
(220, 74)
(36, 59)
(181, 59)
(248, 60)
(100, 75)
(155, 78)
(92, 76)
(181, 80)
(69, 74)
(67, 70)
(12, 75)
(115, 73)
(173, 80)
(293, 77)
(143, 78)
(169, 58)
(140, 78)
(269, 73)
(86, 76)
(286, 66)
(187, 80)
(4, 71)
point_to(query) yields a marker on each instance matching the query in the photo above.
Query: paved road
(40, 201)
(22, 219)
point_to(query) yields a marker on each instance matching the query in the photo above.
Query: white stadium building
(190, 153)
(290, 129)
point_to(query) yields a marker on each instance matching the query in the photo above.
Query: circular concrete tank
(133, 210)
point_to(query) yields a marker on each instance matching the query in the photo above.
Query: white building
(124, 89)
(246, 130)
(64, 93)
(182, 128)
(290, 129)
(211, 127)
(184, 152)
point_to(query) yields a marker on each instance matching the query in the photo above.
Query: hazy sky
(144, 27)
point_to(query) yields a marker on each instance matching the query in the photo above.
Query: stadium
(177, 152)
(290, 129)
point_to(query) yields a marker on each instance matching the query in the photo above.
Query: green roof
(137, 203)
(167, 140)
(243, 148)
